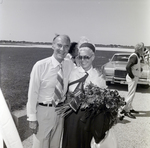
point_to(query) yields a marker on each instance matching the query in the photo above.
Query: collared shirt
(69, 56)
(93, 77)
(42, 84)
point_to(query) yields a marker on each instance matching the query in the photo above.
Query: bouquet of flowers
(93, 99)
(100, 108)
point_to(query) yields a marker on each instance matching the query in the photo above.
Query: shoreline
(49, 46)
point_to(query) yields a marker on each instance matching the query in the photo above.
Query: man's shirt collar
(55, 63)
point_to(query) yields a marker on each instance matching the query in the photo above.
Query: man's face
(141, 51)
(60, 46)
(86, 57)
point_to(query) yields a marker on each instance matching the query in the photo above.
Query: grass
(16, 65)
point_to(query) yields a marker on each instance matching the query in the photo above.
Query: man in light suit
(134, 70)
(43, 120)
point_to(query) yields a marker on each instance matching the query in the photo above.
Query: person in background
(83, 39)
(146, 56)
(73, 52)
(134, 70)
(44, 94)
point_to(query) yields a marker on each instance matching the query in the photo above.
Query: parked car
(115, 70)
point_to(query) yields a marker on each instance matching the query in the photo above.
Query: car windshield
(121, 58)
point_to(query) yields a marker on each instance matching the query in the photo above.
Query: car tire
(146, 86)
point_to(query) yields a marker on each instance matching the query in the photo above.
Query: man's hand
(34, 126)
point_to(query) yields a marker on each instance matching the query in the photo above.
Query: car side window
(122, 58)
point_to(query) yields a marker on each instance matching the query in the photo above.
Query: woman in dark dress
(77, 132)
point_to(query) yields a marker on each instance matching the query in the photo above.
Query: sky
(122, 22)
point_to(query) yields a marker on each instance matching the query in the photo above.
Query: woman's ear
(93, 57)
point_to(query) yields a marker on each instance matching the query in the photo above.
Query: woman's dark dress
(78, 134)
(75, 133)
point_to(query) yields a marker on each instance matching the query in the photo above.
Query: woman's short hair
(89, 45)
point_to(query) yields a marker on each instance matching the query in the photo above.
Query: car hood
(119, 65)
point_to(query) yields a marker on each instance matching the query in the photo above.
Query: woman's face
(86, 57)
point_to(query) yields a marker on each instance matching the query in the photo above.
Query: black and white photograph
(74, 74)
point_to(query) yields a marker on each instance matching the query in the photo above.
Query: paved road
(135, 133)
(130, 133)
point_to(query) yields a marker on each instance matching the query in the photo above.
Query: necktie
(58, 92)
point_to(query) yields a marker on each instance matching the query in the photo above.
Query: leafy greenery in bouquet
(93, 100)
(102, 99)
(97, 100)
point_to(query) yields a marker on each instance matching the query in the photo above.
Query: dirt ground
(135, 133)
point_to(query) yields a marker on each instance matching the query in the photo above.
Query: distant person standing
(74, 49)
(146, 55)
(47, 88)
(73, 52)
(134, 70)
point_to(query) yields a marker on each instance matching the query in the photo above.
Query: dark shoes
(121, 118)
(128, 114)
(133, 111)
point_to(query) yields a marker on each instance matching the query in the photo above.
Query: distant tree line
(114, 46)
(23, 42)
(49, 43)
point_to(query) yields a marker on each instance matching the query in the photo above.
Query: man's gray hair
(63, 35)
(139, 46)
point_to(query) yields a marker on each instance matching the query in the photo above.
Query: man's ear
(53, 46)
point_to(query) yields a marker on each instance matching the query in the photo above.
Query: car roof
(127, 53)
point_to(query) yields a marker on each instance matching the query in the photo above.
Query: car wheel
(146, 86)
(108, 83)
